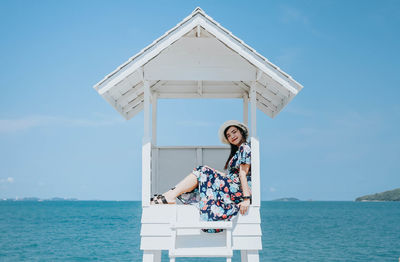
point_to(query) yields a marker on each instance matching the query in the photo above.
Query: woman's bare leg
(186, 185)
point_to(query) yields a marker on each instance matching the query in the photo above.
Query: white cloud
(28, 122)
(272, 189)
(7, 180)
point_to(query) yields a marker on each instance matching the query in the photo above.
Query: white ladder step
(201, 252)
(205, 225)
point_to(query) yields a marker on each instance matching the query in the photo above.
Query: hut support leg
(243, 255)
(152, 256)
(249, 256)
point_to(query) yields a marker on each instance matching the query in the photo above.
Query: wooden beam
(265, 109)
(157, 85)
(198, 31)
(130, 95)
(246, 109)
(146, 105)
(154, 118)
(132, 104)
(133, 111)
(265, 92)
(242, 85)
(204, 95)
(200, 87)
(267, 102)
(253, 109)
(255, 172)
(235, 46)
(148, 53)
(113, 103)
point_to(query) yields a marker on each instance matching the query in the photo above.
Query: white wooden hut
(198, 58)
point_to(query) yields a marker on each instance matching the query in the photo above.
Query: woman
(219, 196)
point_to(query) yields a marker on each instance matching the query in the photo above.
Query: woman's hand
(244, 206)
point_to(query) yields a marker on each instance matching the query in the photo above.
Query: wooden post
(246, 109)
(146, 148)
(253, 109)
(255, 172)
(154, 100)
(152, 256)
(146, 109)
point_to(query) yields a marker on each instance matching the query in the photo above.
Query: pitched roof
(198, 58)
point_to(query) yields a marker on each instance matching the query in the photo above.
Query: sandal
(157, 198)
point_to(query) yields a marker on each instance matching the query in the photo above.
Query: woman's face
(234, 136)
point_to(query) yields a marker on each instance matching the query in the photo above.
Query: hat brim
(227, 124)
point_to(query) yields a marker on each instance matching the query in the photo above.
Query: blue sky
(338, 139)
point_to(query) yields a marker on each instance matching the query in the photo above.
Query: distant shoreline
(102, 200)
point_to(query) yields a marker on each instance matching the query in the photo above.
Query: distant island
(36, 199)
(286, 199)
(391, 195)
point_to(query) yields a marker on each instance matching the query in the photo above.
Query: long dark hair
(234, 148)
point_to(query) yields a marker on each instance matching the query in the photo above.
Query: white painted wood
(143, 57)
(154, 101)
(134, 111)
(129, 96)
(199, 59)
(146, 158)
(157, 214)
(154, 170)
(160, 230)
(246, 109)
(200, 87)
(223, 31)
(164, 242)
(255, 172)
(199, 156)
(217, 31)
(155, 242)
(113, 103)
(243, 255)
(175, 163)
(125, 76)
(152, 256)
(146, 105)
(201, 252)
(205, 225)
(162, 213)
(253, 109)
(196, 59)
(252, 256)
(198, 31)
(262, 101)
(137, 102)
(246, 243)
(157, 85)
(204, 95)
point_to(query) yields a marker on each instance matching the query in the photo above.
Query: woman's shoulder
(245, 146)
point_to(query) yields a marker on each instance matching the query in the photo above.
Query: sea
(110, 231)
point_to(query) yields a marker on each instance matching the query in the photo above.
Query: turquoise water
(109, 231)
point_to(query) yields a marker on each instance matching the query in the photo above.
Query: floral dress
(218, 194)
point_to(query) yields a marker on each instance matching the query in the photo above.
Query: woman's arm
(243, 171)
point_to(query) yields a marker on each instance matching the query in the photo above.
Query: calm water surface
(109, 231)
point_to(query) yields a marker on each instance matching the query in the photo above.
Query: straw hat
(229, 123)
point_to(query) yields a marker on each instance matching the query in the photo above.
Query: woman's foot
(166, 198)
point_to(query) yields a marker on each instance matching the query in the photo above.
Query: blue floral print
(218, 194)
